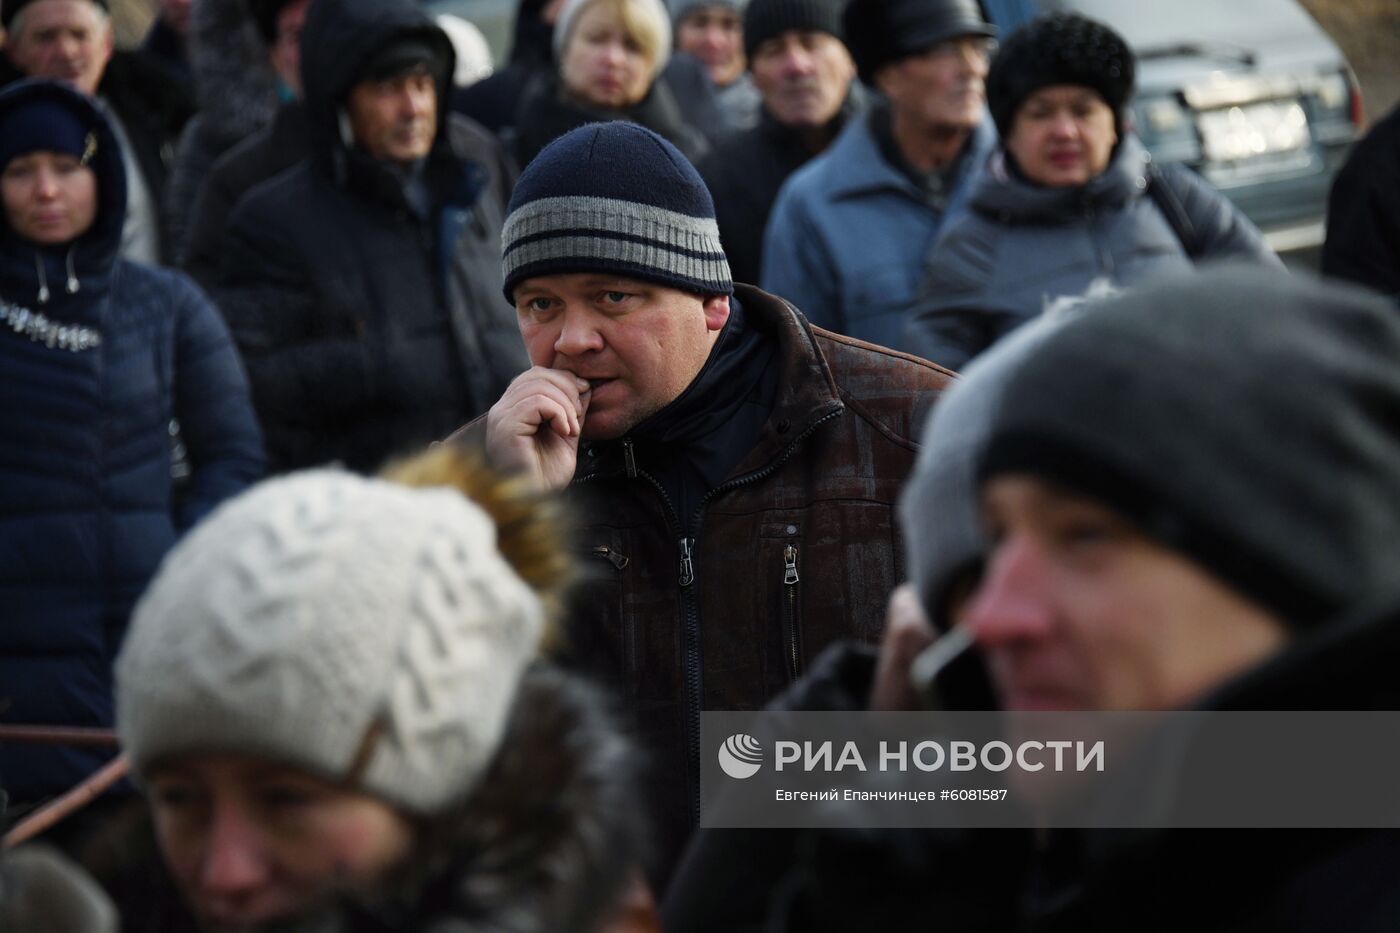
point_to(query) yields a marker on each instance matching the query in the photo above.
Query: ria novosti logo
(740, 756)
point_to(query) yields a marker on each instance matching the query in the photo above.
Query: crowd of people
(401, 457)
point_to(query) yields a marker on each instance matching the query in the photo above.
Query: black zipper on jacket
(694, 678)
(689, 593)
(791, 632)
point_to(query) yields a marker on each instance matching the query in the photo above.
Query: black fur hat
(1059, 48)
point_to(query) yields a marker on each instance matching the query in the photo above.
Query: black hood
(95, 251)
(339, 38)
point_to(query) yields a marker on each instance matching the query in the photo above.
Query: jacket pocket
(603, 627)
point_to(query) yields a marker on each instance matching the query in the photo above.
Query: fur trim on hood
(549, 839)
(234, 80)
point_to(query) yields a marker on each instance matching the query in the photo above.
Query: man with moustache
(849, 232)
(805, 75)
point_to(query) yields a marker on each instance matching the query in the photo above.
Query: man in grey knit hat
(1178, 485)
(738, 469)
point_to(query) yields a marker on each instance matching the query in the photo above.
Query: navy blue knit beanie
(45, 124)
(616, 198)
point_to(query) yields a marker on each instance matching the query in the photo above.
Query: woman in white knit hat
(332, 699)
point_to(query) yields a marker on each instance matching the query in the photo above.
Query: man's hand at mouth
(535, 426)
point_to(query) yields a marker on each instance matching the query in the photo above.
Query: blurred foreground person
(610, 54)
(1207, 537)
(42, 892)
(1363, 212)
(99, 357)
(1070, 203)
(332, 699)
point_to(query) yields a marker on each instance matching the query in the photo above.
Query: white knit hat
(358, 629)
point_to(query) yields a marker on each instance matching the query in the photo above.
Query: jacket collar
(863, 169)
(1002, 192)
(807, 392)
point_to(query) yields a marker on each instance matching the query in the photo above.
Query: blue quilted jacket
(88, 506)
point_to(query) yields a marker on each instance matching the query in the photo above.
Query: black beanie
(1245, 419)
(768, 19)
(10, 8)
(1059, 48)
(879, 32)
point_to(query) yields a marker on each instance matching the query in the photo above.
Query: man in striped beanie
(737, 468)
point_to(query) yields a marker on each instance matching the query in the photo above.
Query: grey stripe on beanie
(561, 229)
(615, 198)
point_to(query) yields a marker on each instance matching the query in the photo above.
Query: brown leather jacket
(799, 547)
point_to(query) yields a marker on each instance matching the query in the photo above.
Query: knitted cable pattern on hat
(614, 198)
(354, 628)
(1059, 48)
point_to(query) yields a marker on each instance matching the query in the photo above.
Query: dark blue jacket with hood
(88, 505)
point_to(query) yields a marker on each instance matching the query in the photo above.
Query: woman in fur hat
(1070, 204)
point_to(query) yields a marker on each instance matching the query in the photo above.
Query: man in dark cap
(71, 41)
(849, 231)
(805, 75)
(363, 285)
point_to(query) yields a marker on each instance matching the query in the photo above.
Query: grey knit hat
(614, 198)
(1242, 418)
(939, 510)
(363, 631)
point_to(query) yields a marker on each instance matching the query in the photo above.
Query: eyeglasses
(980, 47)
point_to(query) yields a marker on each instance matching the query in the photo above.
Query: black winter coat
(265, 154)
(744, 172)
(1075, 881)
(1363, 212)
(237, 91)
(87, 504)
(545, 116)
(367, 330)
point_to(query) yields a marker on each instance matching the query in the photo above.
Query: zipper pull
(630, 457)
(687, 564)
(619, 561)
(790, 565)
